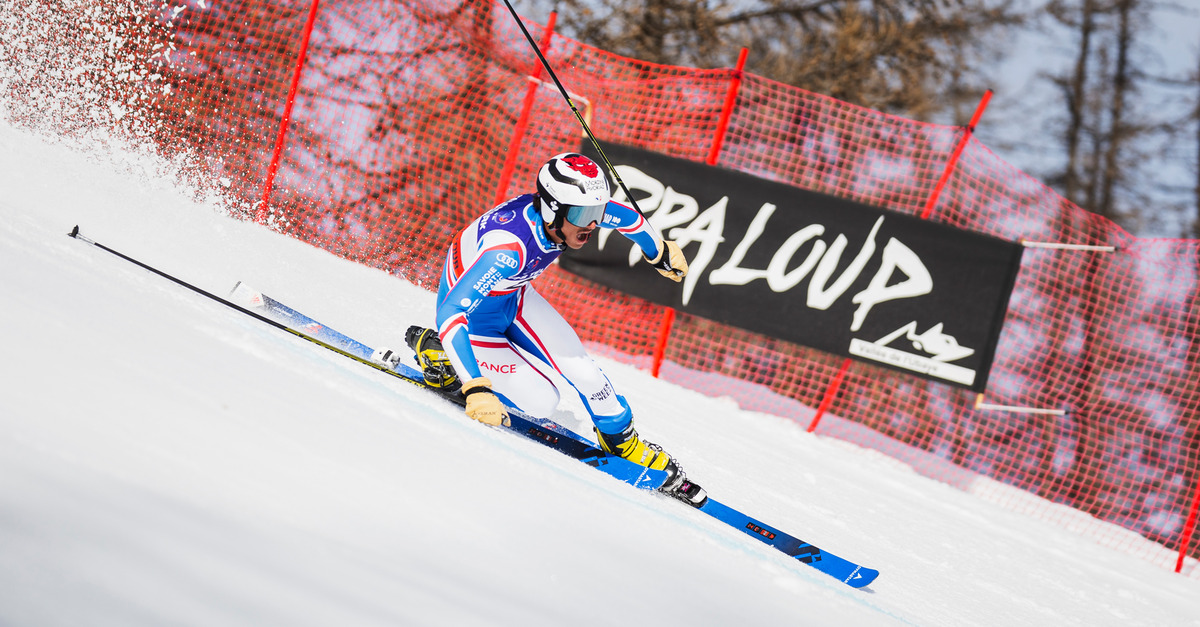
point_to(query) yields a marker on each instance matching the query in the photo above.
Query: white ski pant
(519, 340)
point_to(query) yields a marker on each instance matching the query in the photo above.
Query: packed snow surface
(167, 460)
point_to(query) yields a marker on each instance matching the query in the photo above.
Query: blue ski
(840, 568)
(565, 441)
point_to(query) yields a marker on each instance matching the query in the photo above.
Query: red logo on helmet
(583, 165)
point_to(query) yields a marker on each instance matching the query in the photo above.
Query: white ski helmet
(572, 187)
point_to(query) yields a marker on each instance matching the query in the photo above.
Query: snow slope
(166, 460)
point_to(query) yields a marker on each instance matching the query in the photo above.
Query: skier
(500, 339)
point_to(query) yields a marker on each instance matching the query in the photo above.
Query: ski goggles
(584, 215)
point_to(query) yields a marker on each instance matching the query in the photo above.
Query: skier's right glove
(670, 261)
(482, 405)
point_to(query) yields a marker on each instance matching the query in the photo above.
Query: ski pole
(563, 90)
(257, 316)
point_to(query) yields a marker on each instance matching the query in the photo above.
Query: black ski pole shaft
(76, 234)
(253, 314)
(563, 90)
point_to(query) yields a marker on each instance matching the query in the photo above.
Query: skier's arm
(663, 254)
(454, 313)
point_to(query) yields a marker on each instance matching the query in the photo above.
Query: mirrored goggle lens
(585, 215)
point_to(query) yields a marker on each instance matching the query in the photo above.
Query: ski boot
(431, 356)
(628, 445)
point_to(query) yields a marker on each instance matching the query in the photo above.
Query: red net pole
(263, 206)
(962, 143)
(1188, 529)
(510, 162)
(661, 347)
(831, 392)
(727, 110)
(664, 331)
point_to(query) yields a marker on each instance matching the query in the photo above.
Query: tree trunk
(1075, 98)
(1196, 118)
(1118, 133)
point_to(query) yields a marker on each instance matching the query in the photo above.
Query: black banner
(818, 270)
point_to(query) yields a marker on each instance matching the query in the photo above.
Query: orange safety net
(404, 115)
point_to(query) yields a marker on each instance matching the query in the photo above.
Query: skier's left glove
(670, 261)
(482, 405)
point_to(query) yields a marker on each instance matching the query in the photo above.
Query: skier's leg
(540, 330)
(514, 377)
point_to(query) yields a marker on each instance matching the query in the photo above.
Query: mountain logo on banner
(939, 349)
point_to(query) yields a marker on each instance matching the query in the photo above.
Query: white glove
(670, 261)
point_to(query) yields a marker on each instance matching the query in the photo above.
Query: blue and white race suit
(492, 323)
